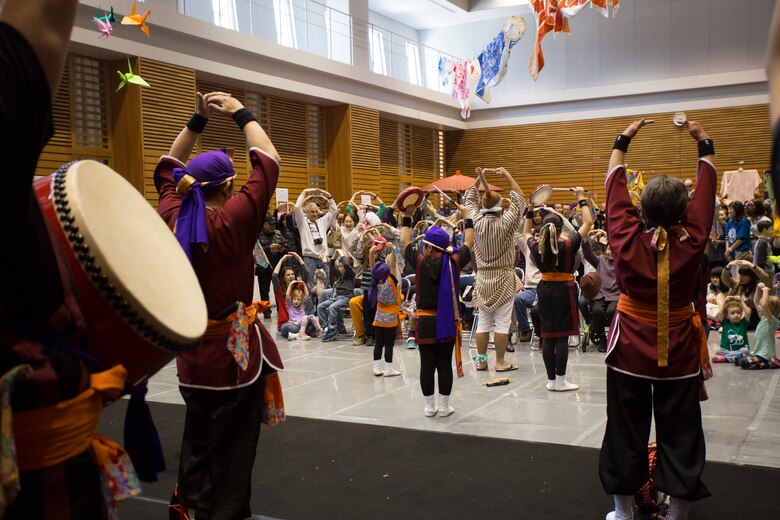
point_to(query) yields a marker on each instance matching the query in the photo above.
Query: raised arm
(587, 215)
(471, 197)
(618, 156)
(185, 142)
(254, 133)
(468, 233)
(528, 225)
(46, 25)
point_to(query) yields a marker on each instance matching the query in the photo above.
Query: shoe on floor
(444, 408)
(391, 372)
(359, 340)
(524, 337)
(329, 336)
(411, 343)
(292, 336)
(378, 368)
(561, 385)
(267, 315)
(507, 369)
(719, 359)
(342, 331)
(370, 341)
(551, 385)
(430, 406)
(302, 336)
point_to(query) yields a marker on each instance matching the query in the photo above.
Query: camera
(317, 241)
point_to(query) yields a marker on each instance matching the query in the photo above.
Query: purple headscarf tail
(206, 169)
(379, 273)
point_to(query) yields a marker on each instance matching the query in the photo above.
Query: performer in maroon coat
(222, 388)
(657, 354)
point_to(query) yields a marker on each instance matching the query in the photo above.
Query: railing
(313, 27)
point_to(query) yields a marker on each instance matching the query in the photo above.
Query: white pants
(497, 321)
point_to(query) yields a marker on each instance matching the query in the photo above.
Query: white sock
(550, 384)
(444, 406)
(624, 507)
(378, 367)
(430, 406)
(678, 509)
(561, 385)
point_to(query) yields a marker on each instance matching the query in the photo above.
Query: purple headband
(448, 285)
(206, 169)
(379, 273)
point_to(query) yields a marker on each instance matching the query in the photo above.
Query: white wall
(648, 41)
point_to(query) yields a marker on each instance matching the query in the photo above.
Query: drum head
(139, 263)
(410, 197)
(540, 195)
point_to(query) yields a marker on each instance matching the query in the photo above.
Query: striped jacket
(494, 249)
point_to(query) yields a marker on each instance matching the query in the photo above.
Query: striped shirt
(494, 250)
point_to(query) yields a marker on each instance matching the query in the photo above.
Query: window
(413, 59)
(377, 42)
(285, 23)
(225, 14)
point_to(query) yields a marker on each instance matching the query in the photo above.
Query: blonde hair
(773, 307)
(296, 293)
(728, 304)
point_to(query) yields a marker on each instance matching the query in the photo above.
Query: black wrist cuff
(621, 143)
(468, 224)
(406, 222)
(243, 116)
(197, 123)
(706, 147)
(583, 203)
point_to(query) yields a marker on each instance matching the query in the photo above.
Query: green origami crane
(109, 17)
(130, 78)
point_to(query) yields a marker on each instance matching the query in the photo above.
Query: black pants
(536, 321)
(555, 352)
(264, 283)
(369, 313)
(601, 313)
(221, 429)
(385, 339)
(631, 403)
(436, 357)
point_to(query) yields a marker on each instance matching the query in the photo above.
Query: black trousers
(385, 339)
(264, 283)
(631, 403)
(369, 313)
(555, 353)
(601, 313)
(537, 322)
(221, 429)
(436, 357)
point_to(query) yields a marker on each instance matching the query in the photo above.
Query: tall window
(377, 42)
(285, 23)
(225, 14)
(413, 59)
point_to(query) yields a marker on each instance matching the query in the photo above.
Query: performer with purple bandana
(222, 379)
(438, 310)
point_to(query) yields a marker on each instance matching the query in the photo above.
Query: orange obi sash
(236, 328)
(48, 436)
(557, 277)
(428, 313)
(648, 313)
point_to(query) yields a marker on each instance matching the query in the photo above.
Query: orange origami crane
(137, 19)
(553, 15)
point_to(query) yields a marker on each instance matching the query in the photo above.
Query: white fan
(679, 119)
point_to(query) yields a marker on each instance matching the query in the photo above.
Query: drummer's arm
(528, 225)
(46, 25)
(406, 229)
(468, 233)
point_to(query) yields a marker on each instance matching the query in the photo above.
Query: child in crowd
(738, 233)
(716, 295)
(385, 296)
(749, 276)
(734, 316)
(344, 289)
(299, 324)
(764, 354)
(762, 251)
(282, 277)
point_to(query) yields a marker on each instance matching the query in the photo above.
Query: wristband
(242, 116)
(406, 222)
(621, 143)
(468, 224)
(583, 203)
(706, 147)
(197, 123)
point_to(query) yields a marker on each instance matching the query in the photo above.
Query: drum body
(410, 197)
(115, 287)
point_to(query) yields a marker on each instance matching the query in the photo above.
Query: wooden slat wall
(577, 152)
(423, 160)
(59, 150)
(287, 130)
(364, 139)
(165, 109)
(390, 178)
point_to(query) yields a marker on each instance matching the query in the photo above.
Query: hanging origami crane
(553, 15)
(104, 27)
(129, 77)
(137, 19)
(477, 74)
(108, 17)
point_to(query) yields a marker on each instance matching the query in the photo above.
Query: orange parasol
(457, 182)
